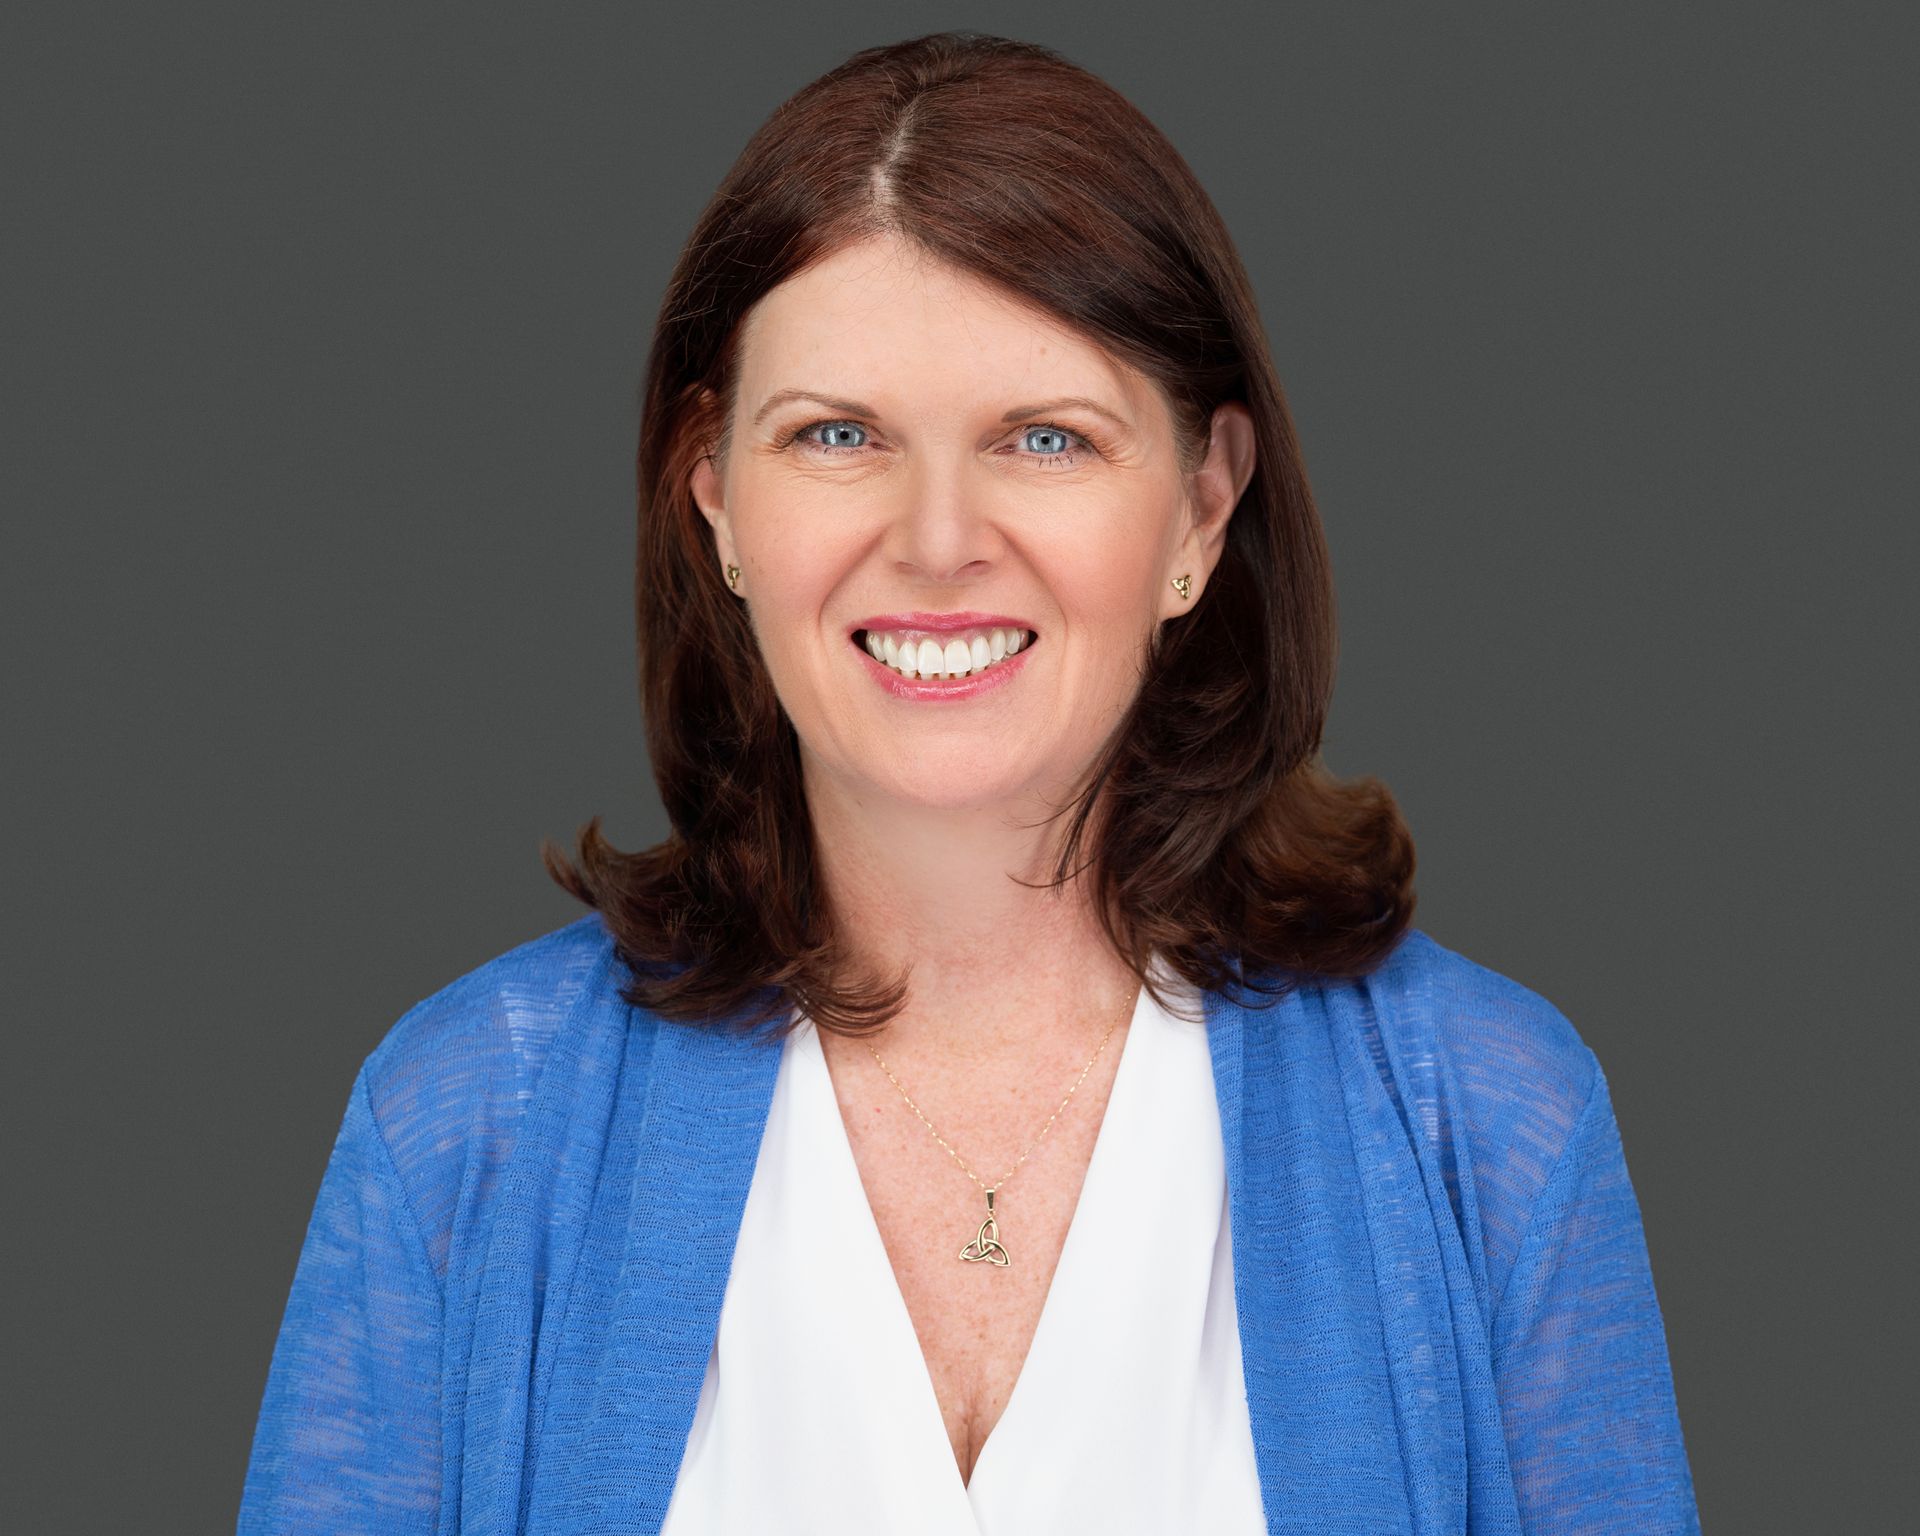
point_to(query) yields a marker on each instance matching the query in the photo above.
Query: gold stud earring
(733, 577)
(1183, 584)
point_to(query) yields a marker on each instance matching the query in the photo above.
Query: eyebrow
(1018, 413)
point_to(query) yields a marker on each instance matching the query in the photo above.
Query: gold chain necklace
(986, 1245)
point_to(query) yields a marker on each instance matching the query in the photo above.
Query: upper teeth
(948, 655)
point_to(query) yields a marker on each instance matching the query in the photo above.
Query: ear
(708, 495)
(1213, 493)
(708, 488)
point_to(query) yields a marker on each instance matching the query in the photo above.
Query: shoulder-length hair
(1220, 840)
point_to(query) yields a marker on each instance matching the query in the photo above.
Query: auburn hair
(1212, 832)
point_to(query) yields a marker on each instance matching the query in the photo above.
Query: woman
(1014, 1098)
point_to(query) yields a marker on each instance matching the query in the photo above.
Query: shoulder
(449, 1082)
(1506, 1038)
(501, 1015)
(1492, 1079)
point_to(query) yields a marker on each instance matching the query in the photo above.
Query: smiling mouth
(967, 653)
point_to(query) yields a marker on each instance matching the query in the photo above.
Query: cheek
(1106, 586)
(798, 558)
(1105, 567)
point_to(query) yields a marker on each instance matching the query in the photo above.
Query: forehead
(884, 318)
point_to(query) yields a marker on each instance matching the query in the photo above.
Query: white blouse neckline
(818, 1411)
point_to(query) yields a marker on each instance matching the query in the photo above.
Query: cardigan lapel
(667, 1216)
(1319, 1391)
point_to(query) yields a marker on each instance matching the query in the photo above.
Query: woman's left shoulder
(1492, 1079)
(1505, 1038)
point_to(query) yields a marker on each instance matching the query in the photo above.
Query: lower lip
(942, 688)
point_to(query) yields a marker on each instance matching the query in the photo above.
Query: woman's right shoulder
(450, 1082)
(494, 1024)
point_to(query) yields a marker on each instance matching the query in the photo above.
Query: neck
(997, 967)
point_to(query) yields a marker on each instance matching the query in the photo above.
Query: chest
(975, 1321)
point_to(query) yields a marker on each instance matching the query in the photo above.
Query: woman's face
(906, 461)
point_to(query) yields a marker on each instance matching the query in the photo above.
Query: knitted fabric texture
(510, 1285)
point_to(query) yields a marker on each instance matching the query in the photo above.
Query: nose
(943, 526)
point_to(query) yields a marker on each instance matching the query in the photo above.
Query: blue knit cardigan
(512, 1278)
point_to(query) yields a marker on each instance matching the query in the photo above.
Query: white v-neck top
(818, 1413)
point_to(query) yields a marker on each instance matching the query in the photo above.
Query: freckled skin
(975, 1322)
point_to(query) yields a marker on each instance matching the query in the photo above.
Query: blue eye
(1062, 441)
(1056, 446)
(838, 426)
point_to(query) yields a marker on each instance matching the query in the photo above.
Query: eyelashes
(1080, 445)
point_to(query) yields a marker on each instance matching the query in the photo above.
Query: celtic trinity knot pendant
(986, 1243)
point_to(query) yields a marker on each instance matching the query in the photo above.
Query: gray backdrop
(323, 333)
